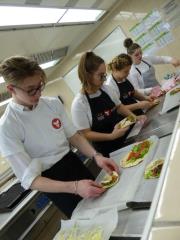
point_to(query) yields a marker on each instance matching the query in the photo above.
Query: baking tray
(124, 191)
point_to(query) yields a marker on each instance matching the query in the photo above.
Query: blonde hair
(120, 62)
(16, 68)
(89, 63)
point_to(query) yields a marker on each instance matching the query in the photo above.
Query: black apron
(69, 168)
(126, 91)
(104, 118)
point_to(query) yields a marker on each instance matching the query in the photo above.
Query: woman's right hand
(118, 132)
(89, 189)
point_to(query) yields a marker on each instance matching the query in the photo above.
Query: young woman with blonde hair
(118, 80)
(96, 110)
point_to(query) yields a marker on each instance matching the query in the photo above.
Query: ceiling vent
(33, 2)
(50, 55)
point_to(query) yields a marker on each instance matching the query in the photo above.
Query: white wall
(72, 80)
(110, 47)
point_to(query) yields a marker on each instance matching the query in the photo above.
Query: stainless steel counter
(131, 187)
(131, 222)
(159, 125)
(164, 219)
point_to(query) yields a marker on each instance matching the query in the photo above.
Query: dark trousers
(69, 168)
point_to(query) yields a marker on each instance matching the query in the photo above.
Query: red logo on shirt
(107, 112)
(56, 123)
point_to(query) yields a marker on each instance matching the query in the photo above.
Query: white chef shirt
(33, 141)
(80, 109)
(137, 79)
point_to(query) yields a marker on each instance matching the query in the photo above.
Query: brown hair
(120, 62)
(15, 69)
(89, 63)
(130, 46)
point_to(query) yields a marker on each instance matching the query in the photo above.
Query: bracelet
(75, 187)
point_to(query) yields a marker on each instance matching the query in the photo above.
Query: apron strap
(145, 63)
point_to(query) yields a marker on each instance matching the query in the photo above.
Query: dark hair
(130, 46)
(89, 63)
(15, 69)
(121, 61)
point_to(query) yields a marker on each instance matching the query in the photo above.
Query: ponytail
(89, 63)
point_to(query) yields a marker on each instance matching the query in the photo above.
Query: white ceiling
(46, 39)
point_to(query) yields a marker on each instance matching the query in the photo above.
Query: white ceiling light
(49, 64)
(81, 15)
(1, 80)
(20, 16)
(13, 16)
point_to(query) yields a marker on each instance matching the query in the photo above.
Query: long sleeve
(145, 91)
(158, 59)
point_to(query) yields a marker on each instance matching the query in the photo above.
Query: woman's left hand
(107, 164)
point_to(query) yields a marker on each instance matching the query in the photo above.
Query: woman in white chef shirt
(142, 73)
(97, 110)
(35, 134)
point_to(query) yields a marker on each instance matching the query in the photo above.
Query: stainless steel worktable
(159, 125)
(131, 222)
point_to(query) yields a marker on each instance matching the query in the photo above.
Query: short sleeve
(111, 83)
(10, 140)
(113, 95)
(135, 78)
(79, 113)
(158, 59)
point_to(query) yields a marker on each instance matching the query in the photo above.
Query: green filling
(136, 149)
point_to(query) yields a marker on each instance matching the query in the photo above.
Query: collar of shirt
(121, 81)
(21, 107)
(117, 80)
